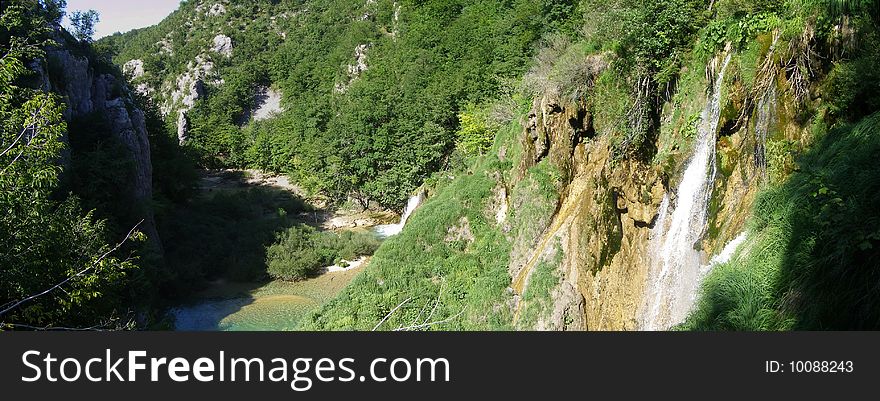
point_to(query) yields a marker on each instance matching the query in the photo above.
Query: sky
(124, 15)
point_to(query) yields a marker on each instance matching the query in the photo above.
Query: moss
(810, 260)
(538, 297)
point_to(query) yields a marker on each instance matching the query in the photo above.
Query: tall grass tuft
(813, 259)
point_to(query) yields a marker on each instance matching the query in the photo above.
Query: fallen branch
(421, 326)
(391, 313)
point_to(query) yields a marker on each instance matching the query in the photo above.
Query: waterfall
(675, 273)
(726, 254)
(766, 115)
(388, 230)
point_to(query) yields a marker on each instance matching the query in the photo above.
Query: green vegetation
(538, 296)
(375, 135)
(809, 262)
(475, 135)
(432, 269)
(301, 250)
(223, 234)
(377, 101)
(83, 23)
(448, 269)
(48, 239)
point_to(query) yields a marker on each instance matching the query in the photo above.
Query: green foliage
(223, 234)
(462, 281)
(538, 297)
(852, 88)
(375, 135)
(780, 159)
(474, 135)
(301, 251)
(49, 242)
(433, 265)
(83, 24)
(810, 262)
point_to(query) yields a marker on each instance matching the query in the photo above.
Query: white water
(676, 268)
(726, 254)
(388, 230)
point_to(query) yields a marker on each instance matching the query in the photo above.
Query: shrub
(474, 135)
(300, 251)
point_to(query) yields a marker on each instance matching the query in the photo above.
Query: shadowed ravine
(233, 303)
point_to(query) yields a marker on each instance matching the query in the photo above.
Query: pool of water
(276, 306)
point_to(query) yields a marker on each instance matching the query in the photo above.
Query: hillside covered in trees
(566, 164)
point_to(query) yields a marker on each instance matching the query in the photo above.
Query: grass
(538, 297)
(811, 260)
(428, 273)
(421, 265)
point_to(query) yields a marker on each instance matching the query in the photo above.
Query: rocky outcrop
(87, 92)
(133, 69)
(223, 45)
(356, 69)
(267, 103)
(607, 209)
(187, 89)
(601, 225)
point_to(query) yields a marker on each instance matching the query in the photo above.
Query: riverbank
(272, 306)
(240, 213)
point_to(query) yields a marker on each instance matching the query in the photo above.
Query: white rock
(356, 69)
(144, 89)
(216, 9)
(166, 46)
(223, 45)
(133, 69)
(268, 104)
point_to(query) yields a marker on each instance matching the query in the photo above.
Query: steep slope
(369, 90)
(91, 91)
(602, 207)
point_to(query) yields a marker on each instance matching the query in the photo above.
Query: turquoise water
(276, 306)
(270, 313)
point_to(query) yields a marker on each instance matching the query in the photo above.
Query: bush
(474, 135)
(301, 251)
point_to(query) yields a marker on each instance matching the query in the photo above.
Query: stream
(276, 305)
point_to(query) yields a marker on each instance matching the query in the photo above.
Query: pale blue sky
(124, 15)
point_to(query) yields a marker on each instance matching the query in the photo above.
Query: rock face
(223, 45)
(268, 104)
(598, 235)
(86, 92)
(187, 89)
(601, 224)
(133, 69)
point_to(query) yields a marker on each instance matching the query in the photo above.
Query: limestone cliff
(86, 90)
(599, 236)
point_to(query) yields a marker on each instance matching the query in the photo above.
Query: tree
(49, 243)
(83, 24)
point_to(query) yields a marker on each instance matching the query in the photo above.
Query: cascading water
(726, 254)
(388, 230)
(676, 268)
